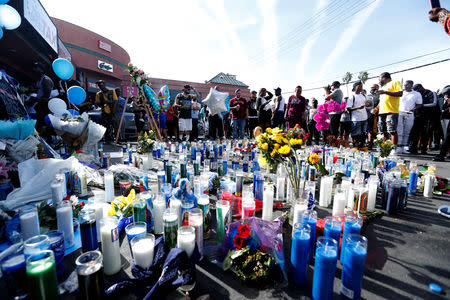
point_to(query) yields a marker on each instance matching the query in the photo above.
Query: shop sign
(104, 46)
(36, 15)
(105, 66)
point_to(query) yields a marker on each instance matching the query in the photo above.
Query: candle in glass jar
(110, 245)
(41, 274)
(353, 268)
(29, 222)
(14, 272)
(339, 202)
(109, 187)
(372, 199)
(324, 268)
(159, 205)
(139, 210)
(299, 208)
(36, 244)
(310, 218)
(170, 220)
(352, 225)
(90, 275)
(239, 183)
(248, 207)
(196, 221)
(64, 218)
(203, 204)
(428, 185)
(326, 187)
(143, 250)
(88, 229)
(186, 239)
(281, 183)
(57, 192)
(222, 216)
(135, 229)
(333, 228)
(267, 213)
(300, 251)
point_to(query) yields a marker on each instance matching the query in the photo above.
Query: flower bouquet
(385, 146)
(254, 251)
(146, 142)
(123, 208)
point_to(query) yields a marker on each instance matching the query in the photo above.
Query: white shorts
(185, 124)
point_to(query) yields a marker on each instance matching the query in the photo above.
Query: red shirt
(241, 113)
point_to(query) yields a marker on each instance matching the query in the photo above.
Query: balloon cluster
(64, 70)
(216, 102)
(9, 17)
(160, 100)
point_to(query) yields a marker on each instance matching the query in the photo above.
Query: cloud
(347, 37)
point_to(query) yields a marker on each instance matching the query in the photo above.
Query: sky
(270, 43)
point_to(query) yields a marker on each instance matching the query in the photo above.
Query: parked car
(129, 125)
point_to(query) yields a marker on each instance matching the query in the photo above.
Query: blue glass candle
(353, 269)
(324, 268)
(352, 225)
(88, 230)
(300, 252)
(333, 228)
(57, 246)
(14, 273)
(393, 197)
(258, 186)
(224, 167)
(310, 218)
(413, 177)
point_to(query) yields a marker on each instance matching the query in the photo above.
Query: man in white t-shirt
(278, 108)
(356, 106)
(409, 102)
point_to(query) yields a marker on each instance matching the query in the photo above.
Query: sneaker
(399, 150)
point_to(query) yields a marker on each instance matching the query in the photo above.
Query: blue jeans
(238, 126)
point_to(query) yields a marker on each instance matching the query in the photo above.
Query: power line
(331, 22)
(396, 72)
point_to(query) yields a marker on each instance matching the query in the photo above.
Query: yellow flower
(269, 130)
(111, 212)
(274, 151)
(276, 130)
(284, 140)
(276, 146)
(313, 159)
(285, 150)
(265, 146)
(262, 162)
(295, 142)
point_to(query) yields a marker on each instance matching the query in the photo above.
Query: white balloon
(216, 101)
(9, 17)
(57, 105)
(62, 113)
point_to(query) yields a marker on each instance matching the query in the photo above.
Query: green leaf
(227, 262)
(321, 169)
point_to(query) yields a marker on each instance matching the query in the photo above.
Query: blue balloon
(9, 17)
(4, 1)
(1, 33)
(76, 95)
(227, 105)
(62, 68)
(73, 112)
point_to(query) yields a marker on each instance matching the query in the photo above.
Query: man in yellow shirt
(390, 93)
(107, 101)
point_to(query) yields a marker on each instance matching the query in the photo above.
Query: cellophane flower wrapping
(75, 126)
(265, 236)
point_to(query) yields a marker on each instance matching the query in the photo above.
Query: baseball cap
(446, 90)
(336, 84)
(277, 89)
(356, 84)
(187, 86)
(237, 90)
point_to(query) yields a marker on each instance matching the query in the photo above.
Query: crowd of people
(414, 118)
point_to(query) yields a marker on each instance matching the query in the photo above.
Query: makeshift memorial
(254, 251)
(123, 208)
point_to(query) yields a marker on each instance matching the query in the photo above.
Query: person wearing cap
(215, 123)
(356, 107)
(252, 112)
(278, 108)
(239, 113)
(183, 102)
(107, 101)
(44, 87)
(426, 122)
(295, 109)
(263, 107)
(335, 117)
(409, 103)
(445, 147)
(390, 93)
(373, 116)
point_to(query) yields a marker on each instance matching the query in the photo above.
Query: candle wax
(324, 270)
(140, 212)
(187, 243)
(65, 224)
(42, 281)
(29, 224)
(353, 271)
(170, 230)
(267, 213)
(349, 228)
(197, 223)
(111, 249)
(91, 283)
(333, 232)
(15, 274)
(158, 209)
(299, 255)
(143, 253)
(312, 223)
(89, 239)
(299, 208)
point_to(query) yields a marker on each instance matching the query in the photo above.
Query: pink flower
(140, 71)
(343, 105)
(323, 121)
(142, 77)
(320, 109)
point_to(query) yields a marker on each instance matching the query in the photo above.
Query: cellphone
(435, 3)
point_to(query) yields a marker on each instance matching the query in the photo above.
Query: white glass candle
(267, 213)
(186, 239)
(64, 218)
(350, 196)
(196, 221)
(299, 208)
(109, 187)
(149, 161)
(326, 187)
(176, 205)
(281, 182)
(57, 192)
(29, 222)
(339, 202)
(109, 233)
(372, 198)
(159, 205)
(428, 185)
(143, 250)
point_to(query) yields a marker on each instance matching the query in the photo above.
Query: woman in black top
(264, 112)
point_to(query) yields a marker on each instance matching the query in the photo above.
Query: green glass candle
(41, 273)
(139, 210)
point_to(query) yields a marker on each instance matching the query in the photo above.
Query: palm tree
(363, 76)
(346, 79)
